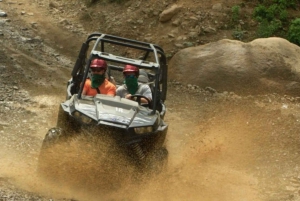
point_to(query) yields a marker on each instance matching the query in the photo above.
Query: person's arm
(143, 100)
(129, 96)
(147, 93)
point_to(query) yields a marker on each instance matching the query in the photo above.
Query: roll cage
(151, 58)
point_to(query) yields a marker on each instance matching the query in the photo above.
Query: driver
(132, 87)
(98, 84)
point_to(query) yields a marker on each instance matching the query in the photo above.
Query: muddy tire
(48, 152)
(53, 136)
(54, 143)
(57, 155)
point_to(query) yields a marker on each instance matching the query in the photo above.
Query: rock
(34, 25)
(211, 90)
(179, 45)
(260, 66)
(2, 21)
(194, 18)
(64, 22)
(37, 39)
(176, 22)
(3, 14)
(209, 29)
(53, 5)
(193, 34)
(293, 87)
(188, 44)
(217, 7)
(171, 35)
(4, 124)
(167, 14)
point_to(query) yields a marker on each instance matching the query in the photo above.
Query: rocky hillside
(172, 24)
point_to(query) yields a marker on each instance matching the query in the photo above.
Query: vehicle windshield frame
(158, 65)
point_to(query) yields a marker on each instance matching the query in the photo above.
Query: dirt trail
(222, 147)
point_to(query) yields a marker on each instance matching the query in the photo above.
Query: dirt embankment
(222, 146)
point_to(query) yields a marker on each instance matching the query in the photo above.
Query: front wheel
(49, 152)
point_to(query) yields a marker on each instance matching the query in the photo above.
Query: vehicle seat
(143, 77)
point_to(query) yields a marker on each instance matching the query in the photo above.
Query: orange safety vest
(105, 88)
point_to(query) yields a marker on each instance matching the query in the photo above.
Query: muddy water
(202, 166)
(231, 151)
(221, 148)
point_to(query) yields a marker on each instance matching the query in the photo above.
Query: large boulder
(261, 66)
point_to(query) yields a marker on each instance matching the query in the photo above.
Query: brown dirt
(222, 146)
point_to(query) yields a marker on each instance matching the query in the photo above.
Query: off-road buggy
(138, 130)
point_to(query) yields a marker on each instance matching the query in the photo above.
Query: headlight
(141, 130)
(82, 118)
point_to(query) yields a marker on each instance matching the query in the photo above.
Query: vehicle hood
(108, 110)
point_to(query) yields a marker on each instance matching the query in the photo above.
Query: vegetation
(238, 34)
(293, 32)
(235, 14)
(273, 19)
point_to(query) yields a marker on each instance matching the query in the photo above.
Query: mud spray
(235, 153)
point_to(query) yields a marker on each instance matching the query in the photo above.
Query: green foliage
(293, 32)
(282, 3)
(238, 33)
(287, 3)
(270, 13)
(283, 15)
(235, 14)
(260, 13)
(272, 16)
(268, 29)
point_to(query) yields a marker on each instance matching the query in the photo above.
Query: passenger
(98, 84)
(132, 87)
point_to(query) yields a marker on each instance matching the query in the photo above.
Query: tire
(57, 155)
(52, 143)
(80, 160)
(48, 152)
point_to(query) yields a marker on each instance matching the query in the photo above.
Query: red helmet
(98, 63)
(130, 68)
